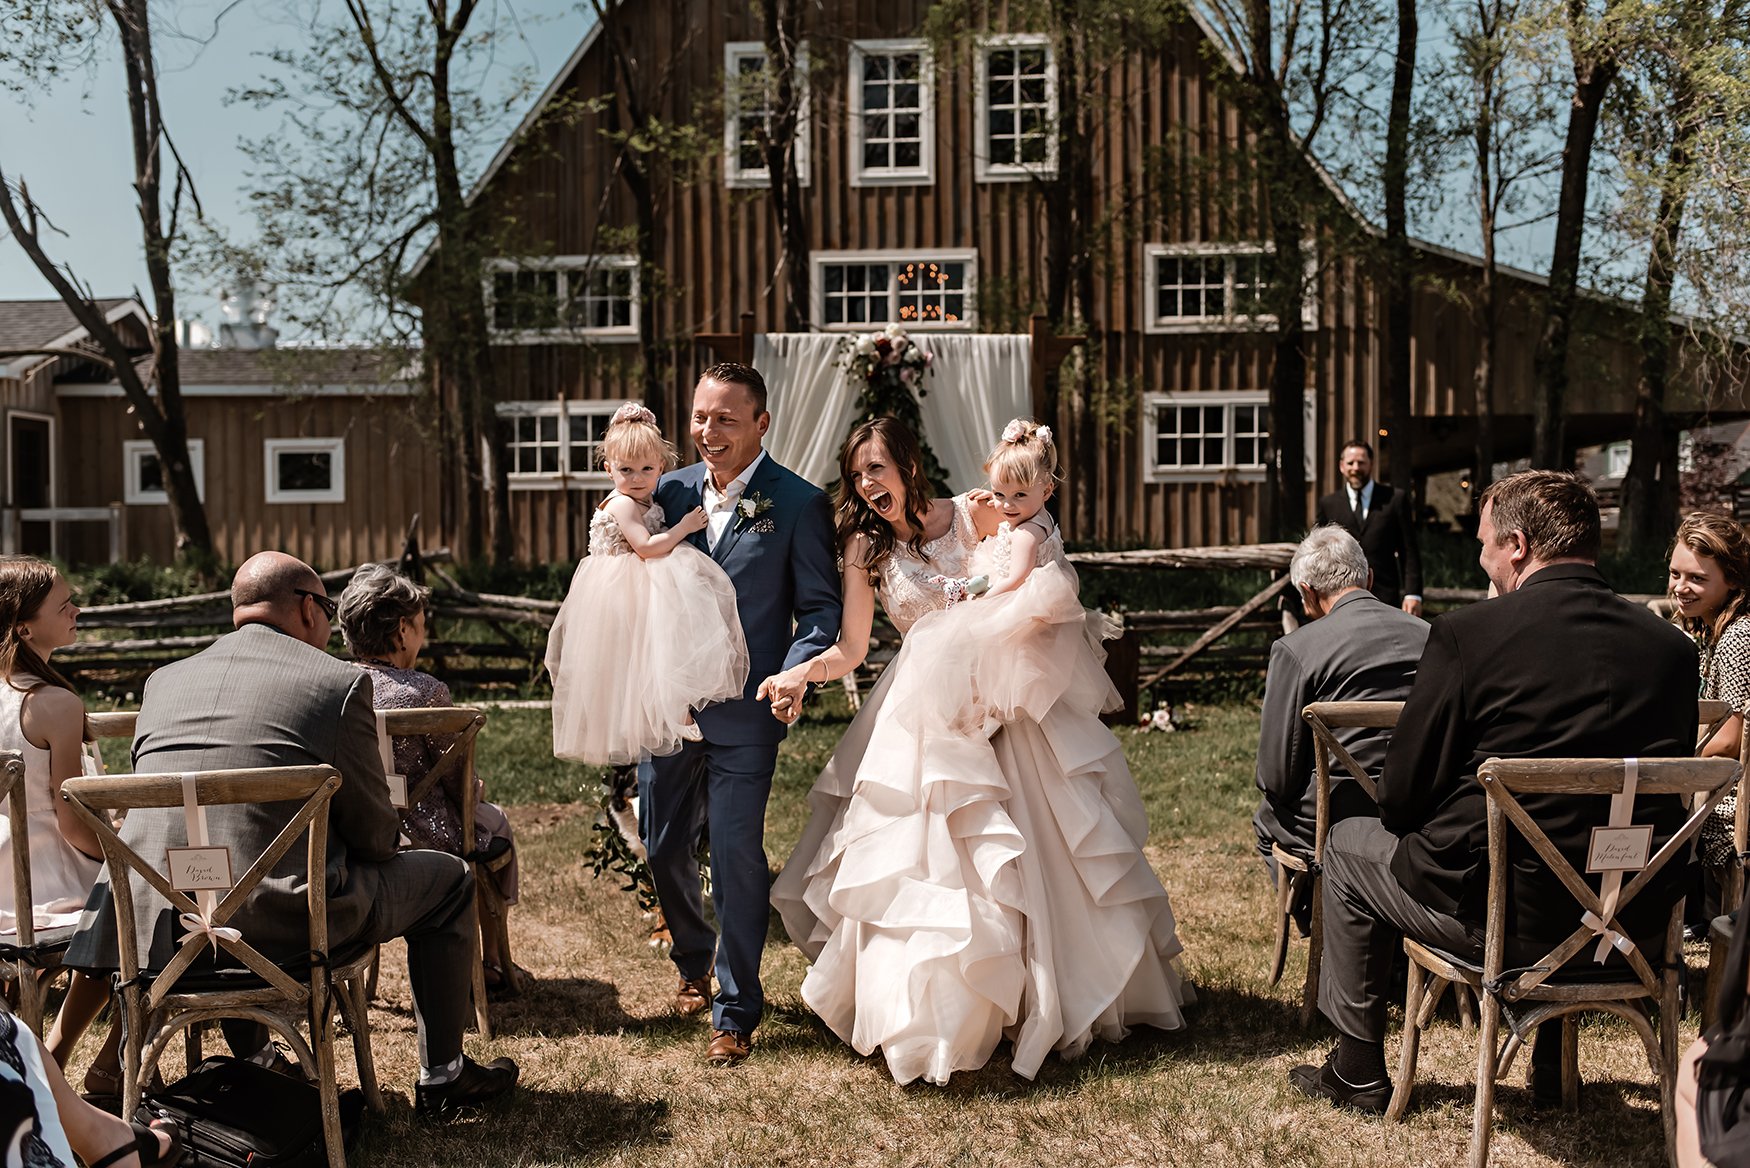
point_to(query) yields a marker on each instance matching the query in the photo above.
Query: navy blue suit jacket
(786, 585)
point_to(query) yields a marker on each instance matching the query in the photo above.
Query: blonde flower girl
(648, 631)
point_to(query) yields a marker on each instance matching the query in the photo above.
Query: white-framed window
(1616, 459)
(747, 105)
(1015, 99)
(893, 113)
(143, 476)
(1191, 437)
(305, 470)
(563, 298)
(917, 289)
(1205, 287)
(555, 444)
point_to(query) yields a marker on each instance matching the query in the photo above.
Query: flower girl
(648, 631)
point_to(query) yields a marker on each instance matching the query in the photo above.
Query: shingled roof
(26, 324)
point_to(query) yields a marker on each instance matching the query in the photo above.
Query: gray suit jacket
(255, 698)
(1362, 650)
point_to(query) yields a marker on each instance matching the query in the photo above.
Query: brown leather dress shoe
(693, 997)
(728, 1047)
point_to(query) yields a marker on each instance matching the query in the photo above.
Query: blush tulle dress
(972, 868)
(638, 644)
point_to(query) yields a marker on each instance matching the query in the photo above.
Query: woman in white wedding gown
(972, 868)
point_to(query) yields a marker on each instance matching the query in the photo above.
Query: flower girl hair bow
(1016, 431)
(632, 412)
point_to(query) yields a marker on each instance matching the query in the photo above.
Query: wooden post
(1049, 350)
(735, 346)
(118, 534)
(746, 351)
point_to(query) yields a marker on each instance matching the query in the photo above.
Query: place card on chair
(205, 869)
(1619, 849)
(386, 751)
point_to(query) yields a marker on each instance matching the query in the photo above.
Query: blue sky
(72, 144)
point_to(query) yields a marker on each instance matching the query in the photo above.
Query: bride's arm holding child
(786, 690)
(647, 546)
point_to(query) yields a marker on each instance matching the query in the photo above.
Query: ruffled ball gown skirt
(972, 868)
(638, 644)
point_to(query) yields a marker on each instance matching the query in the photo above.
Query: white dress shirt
(720, 505)
(1361, 501)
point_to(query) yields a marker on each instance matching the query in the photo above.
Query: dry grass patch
(611, 1077)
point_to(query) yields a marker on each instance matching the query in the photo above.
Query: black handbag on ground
(233, 1113)
(1722, 1097)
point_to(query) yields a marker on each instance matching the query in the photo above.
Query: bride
(971, 870)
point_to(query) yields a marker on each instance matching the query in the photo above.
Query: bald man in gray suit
(269, 695)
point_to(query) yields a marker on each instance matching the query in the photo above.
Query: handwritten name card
(199, 869)
(397, 789)
(1619, 849)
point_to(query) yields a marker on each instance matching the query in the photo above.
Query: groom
(772, 532)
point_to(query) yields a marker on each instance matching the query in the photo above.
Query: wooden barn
(921, 210)
(318, 452)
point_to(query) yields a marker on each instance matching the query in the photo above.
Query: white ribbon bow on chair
(201, 925)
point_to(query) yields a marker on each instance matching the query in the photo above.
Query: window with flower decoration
(932, 290)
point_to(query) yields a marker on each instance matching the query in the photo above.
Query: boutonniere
(749, 510)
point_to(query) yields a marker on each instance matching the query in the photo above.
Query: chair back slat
(1504, 780)
(315, 785)
(1326, 718)
(1710, 715)
(457, 756)
(13, 790)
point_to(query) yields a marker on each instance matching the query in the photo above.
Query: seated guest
(382, 617)
(1356, 649)
(268, 695)
(1558, 666)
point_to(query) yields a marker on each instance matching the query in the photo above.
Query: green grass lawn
(611, 1077)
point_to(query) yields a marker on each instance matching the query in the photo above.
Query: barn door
(30, 459)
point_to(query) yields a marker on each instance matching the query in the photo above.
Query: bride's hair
(634, 434)
(853, 515)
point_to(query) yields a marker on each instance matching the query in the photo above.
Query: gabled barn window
(747, 111)
(306, 470)
(923, 290)
(554, 444)
(563, 299)
(893, 115)
(1015, 94)
(143, 475)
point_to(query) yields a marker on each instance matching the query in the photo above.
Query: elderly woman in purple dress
(382, 615)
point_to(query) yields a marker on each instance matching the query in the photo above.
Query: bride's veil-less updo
(853, 515)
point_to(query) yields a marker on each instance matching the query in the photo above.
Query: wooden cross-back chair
(157, 1004)
(26, 954)
(1543, 989)
(1297, 871)
(455, 766)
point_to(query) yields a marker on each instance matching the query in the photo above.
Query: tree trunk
(1485, 310)
(1594, 73)
(1400, 445)
(789, 91)
(1648, 518)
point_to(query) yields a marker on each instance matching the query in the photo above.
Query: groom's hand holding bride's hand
(785, 691)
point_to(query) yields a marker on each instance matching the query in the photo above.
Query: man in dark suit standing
(266, 695)
(1380, 518)
(1558, 666)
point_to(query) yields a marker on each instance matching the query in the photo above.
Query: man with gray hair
(1353, 648)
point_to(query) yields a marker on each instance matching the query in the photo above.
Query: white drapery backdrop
(976, 384)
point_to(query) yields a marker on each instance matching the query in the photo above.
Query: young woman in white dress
(972, 868)
(43, 719)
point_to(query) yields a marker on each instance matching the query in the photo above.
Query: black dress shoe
(1325, 1083)
(475, 1085)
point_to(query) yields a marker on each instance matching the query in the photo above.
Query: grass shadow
(573, 1126)
(557, 1006)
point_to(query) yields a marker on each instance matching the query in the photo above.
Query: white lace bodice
(903, 578)
(991, 557)
(605, 536)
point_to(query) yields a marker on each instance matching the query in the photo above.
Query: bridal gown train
(972, 868)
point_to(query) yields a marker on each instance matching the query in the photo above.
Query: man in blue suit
(772, 532)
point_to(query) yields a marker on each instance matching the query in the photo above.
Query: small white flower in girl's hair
(633, 412)
(1044, 433)
(1015, 431)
